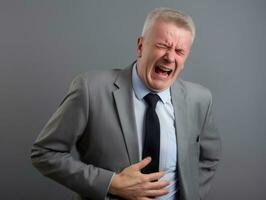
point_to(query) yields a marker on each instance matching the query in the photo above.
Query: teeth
(164, 68)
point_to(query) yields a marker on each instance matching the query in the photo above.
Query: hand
(131, 184)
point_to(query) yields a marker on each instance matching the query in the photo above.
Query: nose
(170, 56)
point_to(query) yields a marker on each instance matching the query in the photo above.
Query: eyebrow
(166, 44)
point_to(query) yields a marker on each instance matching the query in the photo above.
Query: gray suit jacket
(97, 116)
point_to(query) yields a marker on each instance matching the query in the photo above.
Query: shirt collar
(141, 90)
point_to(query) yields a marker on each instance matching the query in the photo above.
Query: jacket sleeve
(51, 152)
(210, 151)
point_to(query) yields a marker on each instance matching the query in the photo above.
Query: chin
(158, 88)
(162, 86)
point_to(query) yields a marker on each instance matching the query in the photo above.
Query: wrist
(114, 185)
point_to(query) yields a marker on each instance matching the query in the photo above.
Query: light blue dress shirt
(165, 112)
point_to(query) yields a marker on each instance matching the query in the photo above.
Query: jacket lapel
(125, 109)
(179, 104)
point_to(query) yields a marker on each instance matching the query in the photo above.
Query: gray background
(44, 44)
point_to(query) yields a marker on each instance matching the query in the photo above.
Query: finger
(154, 176)
(157, 185)
(143, 163)
(156, 193)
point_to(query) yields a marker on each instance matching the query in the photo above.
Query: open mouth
(162, 70)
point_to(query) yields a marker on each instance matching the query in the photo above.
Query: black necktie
(151, 145)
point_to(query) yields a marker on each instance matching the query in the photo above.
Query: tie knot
(152, 99)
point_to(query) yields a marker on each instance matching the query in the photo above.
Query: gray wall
(44, 44)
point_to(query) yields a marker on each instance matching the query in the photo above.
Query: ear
(139, 46)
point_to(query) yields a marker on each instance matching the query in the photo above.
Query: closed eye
(180, 51)
(162, 46)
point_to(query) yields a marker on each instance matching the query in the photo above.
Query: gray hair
(169, 15)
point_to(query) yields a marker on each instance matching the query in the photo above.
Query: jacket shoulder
(96, 78)
(195, 91)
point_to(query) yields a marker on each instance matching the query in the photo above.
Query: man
(124, 152)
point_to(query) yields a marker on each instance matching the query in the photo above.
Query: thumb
(143, 163)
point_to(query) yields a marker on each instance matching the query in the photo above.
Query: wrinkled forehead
(168, 31)
(160, 26)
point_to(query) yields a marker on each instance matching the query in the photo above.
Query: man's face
(161, 53)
